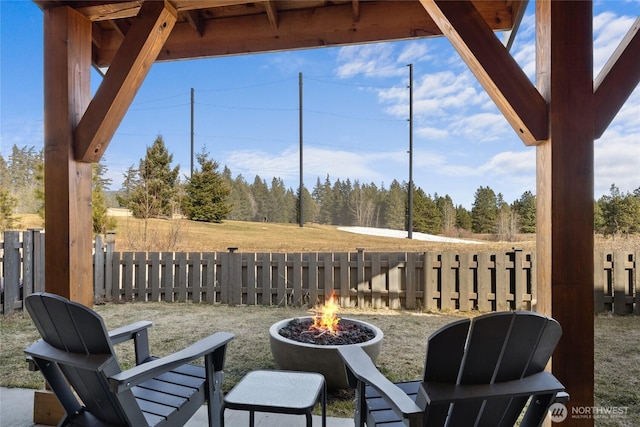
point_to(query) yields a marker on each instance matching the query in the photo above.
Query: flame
(325, 318)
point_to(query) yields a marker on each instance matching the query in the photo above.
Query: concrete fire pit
(324, 359)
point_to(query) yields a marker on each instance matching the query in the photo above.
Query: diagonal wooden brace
(137, 53)
(493, 66)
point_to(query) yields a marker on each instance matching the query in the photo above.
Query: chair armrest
(363, 368)
(128, 332)
(138, 332)
(536, 384)
(146, 371)
(42, 350)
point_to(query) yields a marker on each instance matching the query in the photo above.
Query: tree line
(155, 189)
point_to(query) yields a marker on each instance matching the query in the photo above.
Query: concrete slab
(16, 410)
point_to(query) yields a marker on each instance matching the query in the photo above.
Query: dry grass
(183, 235)
(178, 324)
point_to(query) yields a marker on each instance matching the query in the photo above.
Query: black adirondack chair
(478, 372)
(77, 358)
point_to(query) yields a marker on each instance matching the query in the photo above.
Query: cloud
(375, 59)
(414, 52)
(608, 30)
(318, 162)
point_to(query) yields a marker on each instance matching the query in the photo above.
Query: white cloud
(608, 30)
(414, 52)
(376, 59)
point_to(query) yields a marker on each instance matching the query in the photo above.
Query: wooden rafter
(355, 7)
(497, 71)
(196, 21)
(127, 72)
(332, 25)
(272, 13)
(617, 80)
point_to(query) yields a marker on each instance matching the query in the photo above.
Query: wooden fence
(412, 280)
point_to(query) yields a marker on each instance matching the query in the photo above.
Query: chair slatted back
(492, 348)
(74, 328)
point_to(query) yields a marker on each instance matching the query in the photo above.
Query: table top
(276, 389)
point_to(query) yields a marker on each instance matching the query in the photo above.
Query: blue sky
(355, 112)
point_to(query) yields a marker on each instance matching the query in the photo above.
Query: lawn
(176, 325)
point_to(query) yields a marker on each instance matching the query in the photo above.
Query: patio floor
(16, 410)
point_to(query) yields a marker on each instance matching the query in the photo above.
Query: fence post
(108, 264)
(234, 277)
(98, 269)
(12, 270)
(619, 284)
(27, 264)
(362, 286)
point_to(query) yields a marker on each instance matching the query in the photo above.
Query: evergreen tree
(426, 215)
(525, 207)
(309, 206)
(207, 192)
(150, 191)
(7, 205)
(277, 202)
(20, 179)
(101, 222)
(324, 196)
(260, 193)
(620, 212)
(463, 218)
(484, 213)
(240, 199)
(447, 211)
(395, 206)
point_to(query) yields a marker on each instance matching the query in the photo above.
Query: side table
(281, 392)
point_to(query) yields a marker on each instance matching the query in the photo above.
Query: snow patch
(387, 232)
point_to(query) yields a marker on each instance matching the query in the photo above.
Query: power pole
(192, 97)
(410, 222)
(300, 192)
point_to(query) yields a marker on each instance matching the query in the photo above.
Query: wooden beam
(332, 25)
(565, 197)
(67, 91)
(355, 8)
(497, 71)
(138, 52)
(272, 13)
(195, 20)
(617, 80)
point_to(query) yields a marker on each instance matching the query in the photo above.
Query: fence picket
(432, 280)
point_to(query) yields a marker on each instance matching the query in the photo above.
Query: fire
(325, 318)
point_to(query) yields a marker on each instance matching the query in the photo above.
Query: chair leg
(213, 391)
(360, 415)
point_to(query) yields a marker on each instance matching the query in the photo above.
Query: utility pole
(192, 97)
(300, 192)
(410, 221)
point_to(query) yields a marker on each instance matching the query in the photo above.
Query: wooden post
(67, 92)
(565, 193)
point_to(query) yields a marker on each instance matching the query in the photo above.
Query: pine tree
(101, 222)
(525, 207)
(260, 192)
(484, 213)
(395, 207)
(7, 205)
(463, 218)
(207, 192)
(150, 191)
(426, 215)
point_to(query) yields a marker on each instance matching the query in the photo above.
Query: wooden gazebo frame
(561, 115)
